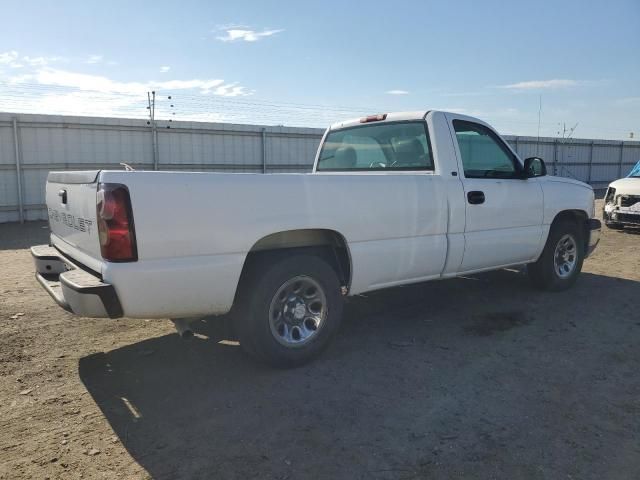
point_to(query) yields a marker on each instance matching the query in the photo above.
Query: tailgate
(71, 205)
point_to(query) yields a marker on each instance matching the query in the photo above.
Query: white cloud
(93, 59)
(86, 82)
(17, 79)
(7, 58)
(101, 84)
(95, 95)
(164, 69)
(12, 59)
(234, 34)
(397, 92)
(84, 103)
(39, 61)
(97, 83)
(542, 84)
(64, 91)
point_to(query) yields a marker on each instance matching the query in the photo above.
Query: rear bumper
(76, 290)
(595, 226)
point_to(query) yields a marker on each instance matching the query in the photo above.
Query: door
(503, 211)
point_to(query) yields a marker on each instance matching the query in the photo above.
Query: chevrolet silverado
(392, 199)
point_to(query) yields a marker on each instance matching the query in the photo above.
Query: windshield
(375, 147)
(635, 171)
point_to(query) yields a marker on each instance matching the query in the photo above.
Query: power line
(27, 97)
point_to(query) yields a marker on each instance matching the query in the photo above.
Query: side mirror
(534, 167)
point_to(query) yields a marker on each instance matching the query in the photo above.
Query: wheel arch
(577, 216)
(328, 244)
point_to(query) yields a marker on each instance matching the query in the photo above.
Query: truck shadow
(419, 378)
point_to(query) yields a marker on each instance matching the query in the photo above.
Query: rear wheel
(289, 309)
(561, 261)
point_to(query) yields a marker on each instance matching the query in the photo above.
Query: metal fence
(32, 145)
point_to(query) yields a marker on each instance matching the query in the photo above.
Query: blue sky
(250, 61)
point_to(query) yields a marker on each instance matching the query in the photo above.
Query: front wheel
(561, 261)
(289, 309)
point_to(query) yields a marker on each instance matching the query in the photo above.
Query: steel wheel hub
(565, 256)
(297, 311)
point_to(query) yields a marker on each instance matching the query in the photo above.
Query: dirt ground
(481, 377)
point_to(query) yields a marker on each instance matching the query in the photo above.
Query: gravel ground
(480, 377)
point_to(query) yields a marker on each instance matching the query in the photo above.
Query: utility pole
(151, 100)
(539, 117)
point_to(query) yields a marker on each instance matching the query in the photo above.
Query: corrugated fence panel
(579, 172)
(531, 147)
(8, 189)
(606, 153)
(604, 173)
(54, 142)
(7, 155)
(573, 152)
(630, 155)
(8, 182)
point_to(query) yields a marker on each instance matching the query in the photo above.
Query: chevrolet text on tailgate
(393, 199)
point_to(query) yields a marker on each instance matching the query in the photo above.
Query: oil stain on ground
(494, 322)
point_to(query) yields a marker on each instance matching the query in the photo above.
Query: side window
(483, 154)
(385, 146)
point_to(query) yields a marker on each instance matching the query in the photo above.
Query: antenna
(539, 116)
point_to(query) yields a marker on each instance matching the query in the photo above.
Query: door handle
(475, 197)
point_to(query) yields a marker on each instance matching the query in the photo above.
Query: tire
(551, 273)
(282, 299)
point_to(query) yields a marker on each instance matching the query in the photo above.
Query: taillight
(115, 223)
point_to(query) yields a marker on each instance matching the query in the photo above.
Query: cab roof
(390, 117)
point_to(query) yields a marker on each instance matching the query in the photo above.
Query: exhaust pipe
(183, 327)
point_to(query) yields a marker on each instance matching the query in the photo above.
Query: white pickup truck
(393, 199)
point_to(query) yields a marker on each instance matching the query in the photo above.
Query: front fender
(564, 194)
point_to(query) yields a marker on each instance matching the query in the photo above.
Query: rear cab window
(389, 146)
